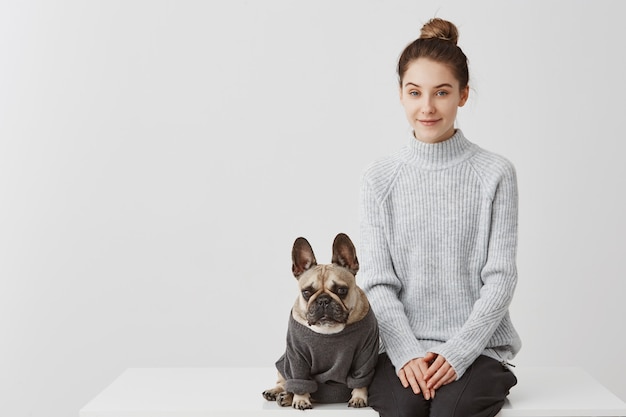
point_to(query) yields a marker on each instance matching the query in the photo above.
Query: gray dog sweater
(438, 251)
(329, 366)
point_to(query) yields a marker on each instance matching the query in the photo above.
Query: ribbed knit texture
(438, 251)
(329, 366)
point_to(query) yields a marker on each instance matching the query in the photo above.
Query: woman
(438, 248)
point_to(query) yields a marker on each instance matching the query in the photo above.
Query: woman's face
(430, 95)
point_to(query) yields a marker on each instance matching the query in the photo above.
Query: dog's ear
(344, 253)
(302, 257)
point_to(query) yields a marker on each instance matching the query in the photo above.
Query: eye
(342, 291)
(442, 93)
(306, 294)
(414, 93)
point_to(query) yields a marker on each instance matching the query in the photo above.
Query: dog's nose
(323, 300)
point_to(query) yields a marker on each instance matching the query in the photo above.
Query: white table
(236, 392)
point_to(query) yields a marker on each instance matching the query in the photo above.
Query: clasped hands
(427, 374)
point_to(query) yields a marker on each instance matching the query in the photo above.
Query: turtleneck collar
(439, 155)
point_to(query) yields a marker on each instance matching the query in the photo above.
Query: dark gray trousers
(480, 392)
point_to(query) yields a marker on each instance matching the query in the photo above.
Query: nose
(323, 300)
(427, 106)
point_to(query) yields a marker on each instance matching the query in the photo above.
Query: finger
(429, 357)
(403, 380)
(417, 369)
(427, 393)
(416, 384)
(423, 368)
(451, 376)
(434, 367)
(419, 376)
(442, 373)
(448, 377)
(411, 378)
(435, 381)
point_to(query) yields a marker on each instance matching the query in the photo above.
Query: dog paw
(358, 398)
(302, 405)
(270, 395)
(284, 398)
(357, 403)
(302, 402)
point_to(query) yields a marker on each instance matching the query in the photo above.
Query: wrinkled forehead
(326, 276)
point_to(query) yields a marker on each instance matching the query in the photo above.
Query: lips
(429, 122)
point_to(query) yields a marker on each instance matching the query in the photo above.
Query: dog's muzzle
(325, 310)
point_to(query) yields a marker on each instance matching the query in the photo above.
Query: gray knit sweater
(438, 251)
(329, 366)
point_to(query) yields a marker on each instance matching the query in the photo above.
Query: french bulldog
(332, 334)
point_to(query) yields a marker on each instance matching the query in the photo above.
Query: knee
(406, 404)
(477, 406)
(389, 398)
(481, 392)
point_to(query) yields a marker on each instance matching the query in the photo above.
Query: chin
(328, 328)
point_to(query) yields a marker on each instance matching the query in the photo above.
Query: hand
(412, 374)
(439, 373)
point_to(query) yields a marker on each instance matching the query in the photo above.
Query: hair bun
(437, 28)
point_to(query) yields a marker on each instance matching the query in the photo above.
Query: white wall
(158, 158)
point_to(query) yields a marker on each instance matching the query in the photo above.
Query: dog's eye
(306, 294)
(342, 291)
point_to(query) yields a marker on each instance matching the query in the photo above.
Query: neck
(439, 154)
(441, 138)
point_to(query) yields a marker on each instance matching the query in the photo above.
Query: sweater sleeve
(499, 277)
(380, 282)
(295, 364)
(364, 363)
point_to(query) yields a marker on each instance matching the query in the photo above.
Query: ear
(344, 253)
(302, 257)
(464, 96)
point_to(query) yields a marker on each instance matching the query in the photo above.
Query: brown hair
(438, 42)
